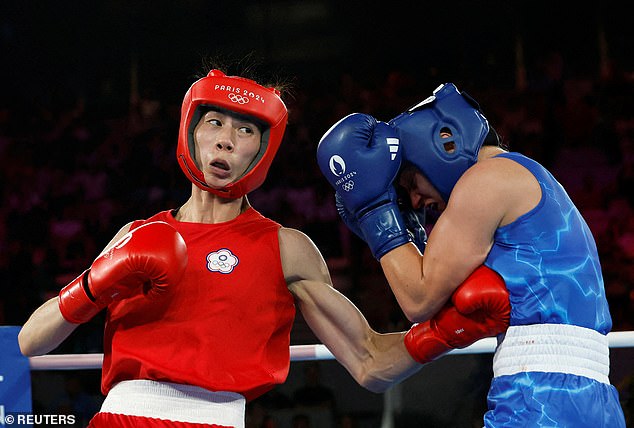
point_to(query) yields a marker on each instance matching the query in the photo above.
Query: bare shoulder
(498, 184)
(301, 259)
(125, 229)
(293, 236)
(294, 244)
(500, 169)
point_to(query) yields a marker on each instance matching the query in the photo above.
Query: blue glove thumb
(347, 216)
(415, 224)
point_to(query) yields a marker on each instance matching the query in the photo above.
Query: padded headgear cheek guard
(442, 160)
(246, 98)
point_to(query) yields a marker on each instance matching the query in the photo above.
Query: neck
(205, 207)
(487, 152)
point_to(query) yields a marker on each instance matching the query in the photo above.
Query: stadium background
(89, 99)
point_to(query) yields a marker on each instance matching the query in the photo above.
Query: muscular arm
(46, 328)
(492, 193)
(376, 361)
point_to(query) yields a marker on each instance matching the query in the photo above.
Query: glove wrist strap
(75, 304)
(383, 229)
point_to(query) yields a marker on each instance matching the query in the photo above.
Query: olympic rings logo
(222, 261)
(237, 98)
(348, 185)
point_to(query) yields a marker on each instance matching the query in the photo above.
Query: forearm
(403, 269)
(376, 361)
(44, 330)
(387, 363)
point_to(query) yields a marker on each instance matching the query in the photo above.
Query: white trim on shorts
(175, 402)
(558, 348)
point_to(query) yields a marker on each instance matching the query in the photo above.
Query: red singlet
(224, 327)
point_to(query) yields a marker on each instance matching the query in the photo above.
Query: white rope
(616, 339)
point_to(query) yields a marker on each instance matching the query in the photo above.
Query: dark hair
(494, 139)
(248, 67)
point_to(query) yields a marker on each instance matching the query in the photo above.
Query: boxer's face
(225, 147)
(422, 193)
(420, 190)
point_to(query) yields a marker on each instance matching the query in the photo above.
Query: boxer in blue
(499, 209)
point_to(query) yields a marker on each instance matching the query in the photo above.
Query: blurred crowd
(72, 175)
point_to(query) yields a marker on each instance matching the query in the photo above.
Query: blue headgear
(442, 161)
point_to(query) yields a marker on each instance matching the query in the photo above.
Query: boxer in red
(201, 299)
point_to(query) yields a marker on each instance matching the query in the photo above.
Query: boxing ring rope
(391, 398)
(616, 339)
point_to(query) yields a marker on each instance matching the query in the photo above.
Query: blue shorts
(537, 399)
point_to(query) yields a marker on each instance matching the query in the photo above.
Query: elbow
(422, 310)
(413, 316)
(378, 388)
(419, 317)
(417, 313)
(373, 384)
(375, 374)
(27, 347)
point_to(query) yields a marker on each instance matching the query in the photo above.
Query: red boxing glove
(147, 259)
(483, 290)
(480, 309)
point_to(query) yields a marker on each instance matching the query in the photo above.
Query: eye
(449, 146)
(246, 130)
(214, 121)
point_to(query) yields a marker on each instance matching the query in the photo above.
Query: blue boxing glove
(347, 217)
(360, 158)
(414, 221)
(415, 224)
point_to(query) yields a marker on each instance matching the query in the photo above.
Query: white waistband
(556, 348)
(175, 402)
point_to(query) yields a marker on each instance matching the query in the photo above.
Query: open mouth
(220, 169)
(220, 164)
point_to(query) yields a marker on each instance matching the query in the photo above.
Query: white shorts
(557, 348)
(175, 402)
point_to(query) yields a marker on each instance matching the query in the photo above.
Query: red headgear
(242, 96)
